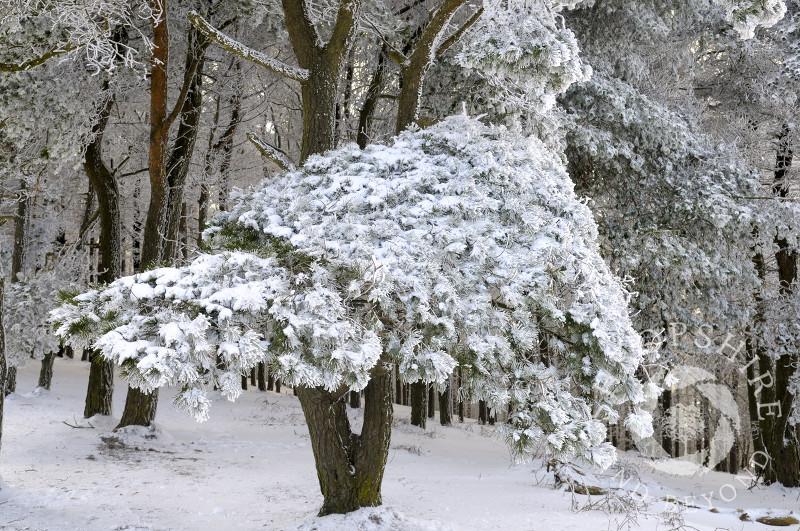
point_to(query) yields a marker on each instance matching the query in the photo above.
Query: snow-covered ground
(251, 467)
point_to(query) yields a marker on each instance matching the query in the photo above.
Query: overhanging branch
(237, 48)
(271, 153)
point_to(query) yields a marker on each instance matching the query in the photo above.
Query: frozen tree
(461, 244)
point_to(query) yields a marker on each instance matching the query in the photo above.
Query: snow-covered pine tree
(460, 244)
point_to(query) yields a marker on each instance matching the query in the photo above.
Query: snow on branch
(457, 245)
(237, 48)
(36, 61)
(271, 153)
(747, 15)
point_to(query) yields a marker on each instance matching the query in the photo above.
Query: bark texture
(140, 408)
(101, 387)
(3, 362)
(46, 371)
(349, 466)
(419, 404)
(101, 372)
(446, 406)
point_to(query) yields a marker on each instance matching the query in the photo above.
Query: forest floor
(251, 467)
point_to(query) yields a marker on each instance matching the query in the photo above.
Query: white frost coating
(25, 319)
(524, 53)
(466, 241)
(239, 49)
(459, 244)
(747, 15)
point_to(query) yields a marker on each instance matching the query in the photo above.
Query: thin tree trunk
(11, 380)
(244, 382)
(355, 399)
(182, 150)
(786, 451)
(46, 371)
(21, 221)
(461, 401)
(370, 101)
(153, 245)
(271, 382)
(482, 412)
(446, 406)
(101, 372)
(253, 376)
(419, 404)
(3, 362)
(398, 386)
(262, 383)
(431, 402)
(278, 385)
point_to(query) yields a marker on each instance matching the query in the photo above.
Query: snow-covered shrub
(459, 244)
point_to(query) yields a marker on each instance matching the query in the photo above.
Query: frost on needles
(458, 245)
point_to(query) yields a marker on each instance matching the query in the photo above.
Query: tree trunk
(446, 406)
(349, 466)
(11, 380)
(278, 385)
(319, 109)
(3, 361)
(770, 405)
(244, 382)
(370, 101)
(398, 387)
(425, 50)
(786, 451)
(183, 148)
(262, 383)
(253, 376)
(482, 412)
(355, 399)
(46, 372)
(461, 401)
(419, 404)
(153, 245)
(101, 387)
(140, 408)
(21, 220)
(431, 402)
(101, 372)
(665, 402)
(271, 382)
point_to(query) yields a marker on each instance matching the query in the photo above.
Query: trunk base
(140, 408)
(349, 466)
(101, 387)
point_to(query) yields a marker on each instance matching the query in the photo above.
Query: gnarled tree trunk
(349, 466)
